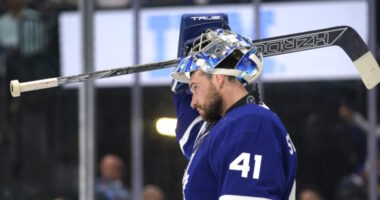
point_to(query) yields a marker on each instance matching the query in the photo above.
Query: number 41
(241, 163)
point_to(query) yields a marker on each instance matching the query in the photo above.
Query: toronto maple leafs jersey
(247, 154)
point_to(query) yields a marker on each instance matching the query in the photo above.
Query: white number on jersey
(241, 163)
(256, 169)
(291, 146)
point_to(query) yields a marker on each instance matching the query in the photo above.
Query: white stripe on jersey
(293, 192)
(186, 135)
(174, 86)
(262, 104)
(237, 197)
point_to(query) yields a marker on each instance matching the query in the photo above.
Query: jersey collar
(247, 99)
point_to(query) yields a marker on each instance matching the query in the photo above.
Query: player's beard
(213, 107)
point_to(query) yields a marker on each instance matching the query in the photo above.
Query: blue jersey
(247, 154)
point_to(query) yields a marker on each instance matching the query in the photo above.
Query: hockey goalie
(237, 148)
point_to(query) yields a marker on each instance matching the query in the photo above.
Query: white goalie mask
(224, 52)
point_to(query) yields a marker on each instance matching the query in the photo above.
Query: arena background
(39, 132)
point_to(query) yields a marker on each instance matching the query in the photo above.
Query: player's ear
(218, 80)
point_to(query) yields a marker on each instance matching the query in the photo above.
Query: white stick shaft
(17, 88)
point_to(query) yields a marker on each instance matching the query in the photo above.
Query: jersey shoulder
(247, 125)
(250, 117)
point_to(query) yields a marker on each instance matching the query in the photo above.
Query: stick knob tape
(17, 88)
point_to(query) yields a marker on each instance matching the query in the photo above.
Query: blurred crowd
(350, 163)
(110, 186)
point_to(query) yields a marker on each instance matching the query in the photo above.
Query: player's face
(206, 98)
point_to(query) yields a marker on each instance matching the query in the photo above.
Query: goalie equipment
(224, 52)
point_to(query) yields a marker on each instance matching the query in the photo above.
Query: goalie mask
(224, 52)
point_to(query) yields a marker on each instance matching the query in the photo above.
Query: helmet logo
(206, 18)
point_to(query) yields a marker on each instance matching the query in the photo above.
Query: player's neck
(231, 95)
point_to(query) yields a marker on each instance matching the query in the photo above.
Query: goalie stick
(17, 88)
(343, 36)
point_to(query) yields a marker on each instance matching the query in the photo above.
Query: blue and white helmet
(224, 52)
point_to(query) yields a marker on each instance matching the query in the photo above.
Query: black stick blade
(343, 36)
